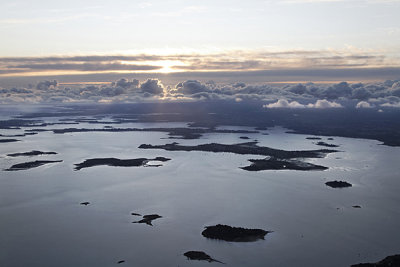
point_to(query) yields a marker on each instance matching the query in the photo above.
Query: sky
(50, 38)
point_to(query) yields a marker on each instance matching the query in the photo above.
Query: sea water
(43, 224)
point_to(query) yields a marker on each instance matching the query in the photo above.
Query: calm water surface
(42, 223)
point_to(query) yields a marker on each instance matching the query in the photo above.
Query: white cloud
(283, 103)
(391, 105)
(363, 104)
(324, 104)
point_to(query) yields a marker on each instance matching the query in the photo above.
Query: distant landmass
(207, 116)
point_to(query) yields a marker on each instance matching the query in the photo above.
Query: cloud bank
(309, 95)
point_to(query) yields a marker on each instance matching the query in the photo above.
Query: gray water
(43, 224)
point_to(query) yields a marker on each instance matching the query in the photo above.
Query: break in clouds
(309, 95)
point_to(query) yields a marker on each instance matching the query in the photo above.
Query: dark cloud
(224, 65)
(111, 91)
(85, 67)
(239, 85)
(124, 83)
(80, 58)
(191, 87)
(16, 91)
(335, 91)
(395, 89)
(152, 87)
(46, 85)
(11, 71)
(361, 93)
(298, 89)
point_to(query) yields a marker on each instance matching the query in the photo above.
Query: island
(338, 184)
(17, 123)
(281, 164)
(18, 135)
(9, 140)
(390, 261)
(184, 133)
(118, 162)
(313, 138)
(248, 148)
(31, 153)
(30, 165)
(326, 144)
(233, 234)
(200, 256)
(148, 219)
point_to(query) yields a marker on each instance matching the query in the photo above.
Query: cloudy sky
(287, 38)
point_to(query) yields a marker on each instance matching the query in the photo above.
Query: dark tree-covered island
(277, 159)
(31, 153)
(30, 165)
(390, 261)
(148, 219)
(281, 164)
(234, 234)
(200, 256)
(118, 162)
(249, 148)
(338, 184)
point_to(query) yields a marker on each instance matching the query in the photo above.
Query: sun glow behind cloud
(169, 66)
(164, 66)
